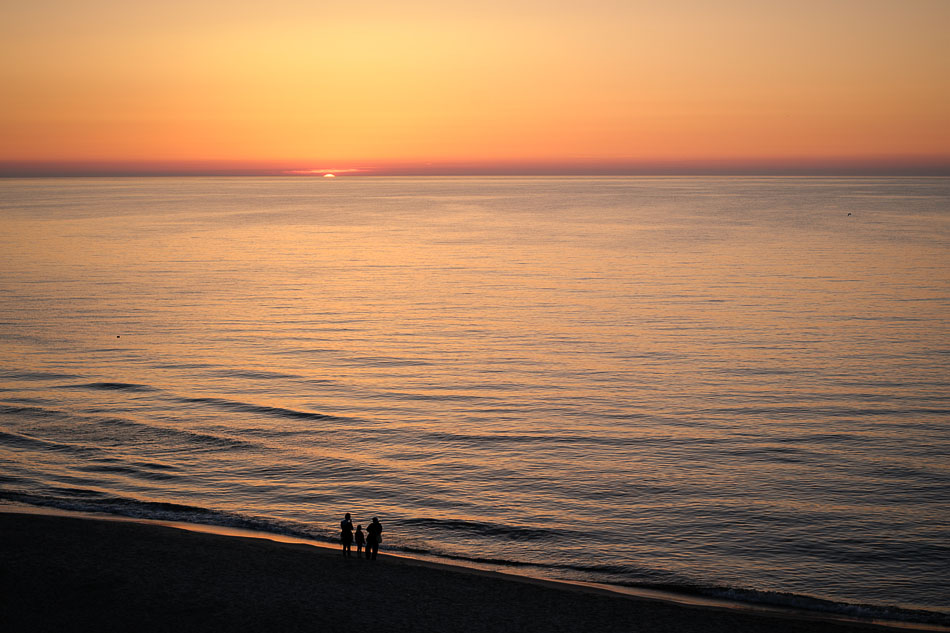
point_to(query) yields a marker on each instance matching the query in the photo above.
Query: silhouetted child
(360, 539)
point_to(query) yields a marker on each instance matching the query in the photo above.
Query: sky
(451, 86)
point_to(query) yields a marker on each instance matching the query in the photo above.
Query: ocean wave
(36, 375)
(253, 374)
(78, 492)
(505, 438)
(809, 603)
(30, 411)
(420, 397)
(118, 469)
(158, 466)
(244, 407)
(829, 412)
(17, 440)
(138, 431)
(384, 361)
(485, 529)
(81, 500)
(134, 431)
(181, 365)
(112, 386)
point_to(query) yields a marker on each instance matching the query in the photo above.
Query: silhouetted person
(346, 534)
(360, 540)
(374, 536)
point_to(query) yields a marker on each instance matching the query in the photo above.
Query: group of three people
(372, 538)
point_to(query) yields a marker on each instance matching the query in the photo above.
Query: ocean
(734, 387)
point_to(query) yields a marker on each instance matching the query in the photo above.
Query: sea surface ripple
(730, 386)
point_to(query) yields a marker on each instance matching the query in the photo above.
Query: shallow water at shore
(725, 385)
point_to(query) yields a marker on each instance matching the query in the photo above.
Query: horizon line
(844, 166)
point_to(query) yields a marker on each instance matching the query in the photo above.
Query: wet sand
(80, 574)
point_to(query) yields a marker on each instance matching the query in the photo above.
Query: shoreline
(105, 541)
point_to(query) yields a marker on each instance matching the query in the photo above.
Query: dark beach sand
(77, 574)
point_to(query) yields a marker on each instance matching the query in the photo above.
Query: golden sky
(368, 84)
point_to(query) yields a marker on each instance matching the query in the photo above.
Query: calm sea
(732, 386)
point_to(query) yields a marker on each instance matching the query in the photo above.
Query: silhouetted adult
(346, 534)
(374, 536)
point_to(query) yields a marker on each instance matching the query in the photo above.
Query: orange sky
(375, 85)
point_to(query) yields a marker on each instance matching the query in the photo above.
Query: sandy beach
(80, 574)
